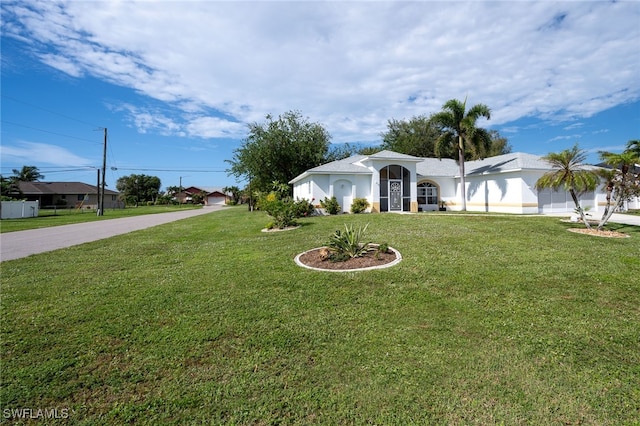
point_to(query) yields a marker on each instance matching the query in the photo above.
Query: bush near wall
(359, 205)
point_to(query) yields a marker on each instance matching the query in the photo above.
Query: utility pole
(98, 191)
(104, 173)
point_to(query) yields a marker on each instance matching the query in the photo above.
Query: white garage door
(215, 200)
(550, 201)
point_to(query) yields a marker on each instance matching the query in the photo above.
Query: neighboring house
(396, 182)
(67, 194)
(213, 195)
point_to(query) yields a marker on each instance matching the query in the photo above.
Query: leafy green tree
(622, 181)
(137, 189)
(459, 132)
(27, 174)
(173, 190)
(279, 150)
(419, 136)
(415, 137)
(9, 188)
(338, 152)
(570, 173)
(499, 144)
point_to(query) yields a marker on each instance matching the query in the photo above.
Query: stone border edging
(386, 265)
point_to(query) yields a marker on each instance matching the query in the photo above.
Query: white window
(427, 193)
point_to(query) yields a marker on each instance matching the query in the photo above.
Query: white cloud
(349, 65)
(41, 153)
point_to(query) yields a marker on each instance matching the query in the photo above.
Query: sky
(176, 83)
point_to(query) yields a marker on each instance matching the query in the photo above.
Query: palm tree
(621, 181)
(634, 146)
(570, 173)
(234, 191)
(27, 174)
(461, 134)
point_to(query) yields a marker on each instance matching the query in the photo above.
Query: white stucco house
(394, 182)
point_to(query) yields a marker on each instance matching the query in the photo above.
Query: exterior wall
(501, 193)
(319, 188)
(448, 190)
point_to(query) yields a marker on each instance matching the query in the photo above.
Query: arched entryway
(428, 196)
(395, 189)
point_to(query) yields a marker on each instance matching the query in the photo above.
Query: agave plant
(349, 242)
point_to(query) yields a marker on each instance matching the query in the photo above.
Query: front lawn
(487, 320)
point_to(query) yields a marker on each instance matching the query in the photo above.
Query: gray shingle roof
(436, 167)
(506, 162)
(391, 155)
(445, 167)
(42, 188)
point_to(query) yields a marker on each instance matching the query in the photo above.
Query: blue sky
(176, 82)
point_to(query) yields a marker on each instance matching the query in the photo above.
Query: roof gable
(392, 155)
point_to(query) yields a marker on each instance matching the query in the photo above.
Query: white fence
(18, 209)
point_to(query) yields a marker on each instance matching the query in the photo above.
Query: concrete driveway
(15, 245)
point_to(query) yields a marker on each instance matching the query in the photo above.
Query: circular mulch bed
(312, 259)
(288, 228)
(595, 232)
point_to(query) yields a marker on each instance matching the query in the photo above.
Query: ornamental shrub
(359, 205)
(331, 205)
(284, 211)
(303, 208)
(350, 243)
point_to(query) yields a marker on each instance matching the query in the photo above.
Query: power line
(48, 131)
(47, 110)
(170, 170)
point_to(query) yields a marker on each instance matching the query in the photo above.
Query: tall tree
(622, 181)
(27, 174)
(138, 188)
(279, 150)
(460, 133)
(416, 137)
(499, 144)
(570, 173)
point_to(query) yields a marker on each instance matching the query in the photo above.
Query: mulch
(595, 232)
(314, 259)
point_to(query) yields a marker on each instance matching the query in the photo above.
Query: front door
(395, 195)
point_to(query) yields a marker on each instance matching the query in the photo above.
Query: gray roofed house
(67, 194)
(396, 182)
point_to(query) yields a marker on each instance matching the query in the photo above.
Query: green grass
(487, 320)
(50, 217)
